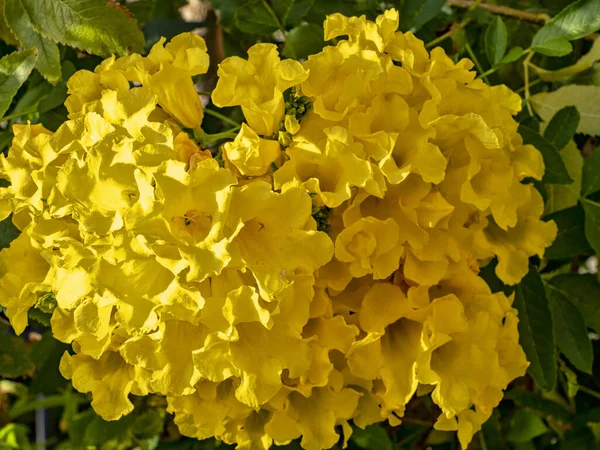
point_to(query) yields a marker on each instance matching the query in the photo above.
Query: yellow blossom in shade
(251, 154)
(257, 85)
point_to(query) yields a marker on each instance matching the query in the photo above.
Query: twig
(526, 62)
(501, 10)
(224, 118)
(589, 391)
(477, 64)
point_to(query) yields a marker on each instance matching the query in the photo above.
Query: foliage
(544, 50)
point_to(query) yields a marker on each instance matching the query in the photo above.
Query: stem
(476, 61)
(16, 115)
(489, 72)
(223, 117)
(521, 89)
(589, 391)
(54, 401)
(207, 139)
(448, 33)
(208, 94)
(526, 75)
(426, 423)
(482, 442)
(501, 10)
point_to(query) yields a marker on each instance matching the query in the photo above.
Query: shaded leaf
(525, 426)
(585, 98)
(48, 61)
(590, 181)
(565, 73)
(8, 232)
(496, 38)
(570, 240)
(543, 407)
(14, 355)
(94, 26)
(14, 70)
(256, 18)
(592, 223)
(562, 127)
(416, 13)
(303, 40)
(563, 196)
(556, 172)
(290, 12)
(373, 437)
(583, 290)
(536, 333)
(570, 330)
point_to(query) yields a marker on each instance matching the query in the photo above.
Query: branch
(501, 10)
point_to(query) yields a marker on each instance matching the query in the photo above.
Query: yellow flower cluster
(216, 286)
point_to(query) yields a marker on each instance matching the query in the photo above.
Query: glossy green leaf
(590, 181)
(570, 240)
(290, 12)
(14, 70)
(303, 40)
(496, 38)
(536, 333)
(48, 61)
(577, 20)
(583, 290)
(554, 47)
(592, 223)
(416, 13)
(556, 172)
(570, 330)
(94, 26)
(514, 54)
(256, 18)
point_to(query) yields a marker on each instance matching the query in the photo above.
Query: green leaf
(256, 18)
(14, 355)
(14, 435)
(94, 26)
(14, 70)
(149, 423)
(562, 127)
(303, 40)
(575, 21)
(592, 223)
(147, 10)
(570, 330)
(567, 73)
(561, 196)
(590, 181)
(416, 13)
(554, 47)
(543, 407)
(496, 38)
(290, 12)
(583, 290)
(99, 431)
(373, 437)
(514, 54)
(536, 333)
(525, 426)
(556, 172)
(8, 232)
(570, 240)
(492, 431)
(585, 98)
(48, 61)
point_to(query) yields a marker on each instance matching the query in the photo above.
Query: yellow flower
(257, 85)
(250, 154)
